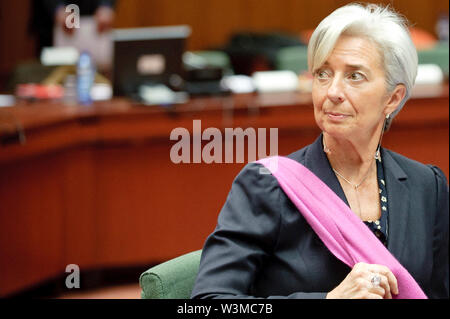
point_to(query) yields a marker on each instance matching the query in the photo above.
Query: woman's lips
(336, 116)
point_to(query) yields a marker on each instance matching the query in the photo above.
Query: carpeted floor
(126, 291)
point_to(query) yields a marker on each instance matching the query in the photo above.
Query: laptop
(151, 55)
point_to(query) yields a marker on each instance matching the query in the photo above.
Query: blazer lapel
(398, 203)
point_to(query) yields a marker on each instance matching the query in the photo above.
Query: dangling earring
(377, 153)
(325, 148)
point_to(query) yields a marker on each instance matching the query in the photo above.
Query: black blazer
(263, 247)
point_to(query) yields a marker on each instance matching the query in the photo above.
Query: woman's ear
(395, 98)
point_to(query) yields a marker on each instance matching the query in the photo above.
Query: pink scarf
(344, 234)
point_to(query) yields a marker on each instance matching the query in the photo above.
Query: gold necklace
(354, 186)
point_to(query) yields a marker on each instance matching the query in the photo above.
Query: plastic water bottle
(85, 78)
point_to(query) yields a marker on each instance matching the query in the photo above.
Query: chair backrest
(173, 279)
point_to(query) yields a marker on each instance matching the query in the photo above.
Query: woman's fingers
(366, 281)
(387, 273)
(382, 288)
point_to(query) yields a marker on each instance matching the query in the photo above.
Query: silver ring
(376, 280)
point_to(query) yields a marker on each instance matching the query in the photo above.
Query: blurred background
(86, 116)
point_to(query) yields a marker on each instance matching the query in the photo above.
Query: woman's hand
(358, 285)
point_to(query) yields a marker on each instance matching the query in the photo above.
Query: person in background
(46, 13)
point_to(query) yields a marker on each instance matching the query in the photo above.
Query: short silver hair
(382, 25)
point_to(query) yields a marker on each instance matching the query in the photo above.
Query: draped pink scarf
(342, 232)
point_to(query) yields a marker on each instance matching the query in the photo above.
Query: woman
(364, 65)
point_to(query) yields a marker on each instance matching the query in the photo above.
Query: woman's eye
(322, 74)
(356, 76)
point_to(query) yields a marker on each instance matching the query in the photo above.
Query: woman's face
(349, 90)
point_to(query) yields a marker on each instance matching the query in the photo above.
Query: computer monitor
(147, 55)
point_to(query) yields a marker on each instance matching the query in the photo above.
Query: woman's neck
(352, 158)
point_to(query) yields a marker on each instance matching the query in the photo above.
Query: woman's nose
(335, 91)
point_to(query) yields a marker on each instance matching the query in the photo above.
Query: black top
(380, 226)
(263, 247)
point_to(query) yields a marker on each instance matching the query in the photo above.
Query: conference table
(96, 185)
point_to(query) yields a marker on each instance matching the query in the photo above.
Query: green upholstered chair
(436, 55)
(173, 279)
(294, 58)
